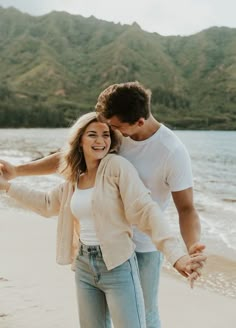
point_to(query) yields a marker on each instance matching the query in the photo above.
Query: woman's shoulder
(117, 163)
(116, 159)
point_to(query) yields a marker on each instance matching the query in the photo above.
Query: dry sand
(35, 292)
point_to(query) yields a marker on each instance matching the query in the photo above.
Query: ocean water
(213, 155)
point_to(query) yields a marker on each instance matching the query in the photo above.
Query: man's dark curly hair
(128, 101)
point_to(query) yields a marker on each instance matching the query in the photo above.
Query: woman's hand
(7, 170)
(4, 184)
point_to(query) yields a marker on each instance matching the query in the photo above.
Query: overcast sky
(166, 17)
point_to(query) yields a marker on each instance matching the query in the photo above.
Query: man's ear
(141, 121)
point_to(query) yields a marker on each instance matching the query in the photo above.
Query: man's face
(126, 129)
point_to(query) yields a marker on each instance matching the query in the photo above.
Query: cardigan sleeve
(46, 204)
(142, 211)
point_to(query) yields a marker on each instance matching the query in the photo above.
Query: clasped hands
(191, 265)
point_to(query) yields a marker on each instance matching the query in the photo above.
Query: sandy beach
(35, 292)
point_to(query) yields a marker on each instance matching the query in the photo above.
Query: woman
(97, 205)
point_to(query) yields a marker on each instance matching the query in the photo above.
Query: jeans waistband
(87, 249)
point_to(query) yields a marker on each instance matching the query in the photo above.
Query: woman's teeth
(98, 148)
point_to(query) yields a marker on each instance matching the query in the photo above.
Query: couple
(117, 266)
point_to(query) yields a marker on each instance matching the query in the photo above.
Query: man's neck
(151, 125)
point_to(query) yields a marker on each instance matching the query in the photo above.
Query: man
(163, 164)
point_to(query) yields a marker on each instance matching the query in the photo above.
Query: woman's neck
(92, 168)
(87, 179)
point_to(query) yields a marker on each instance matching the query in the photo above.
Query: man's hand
(7, 170)
(196, 248)
(4, 184)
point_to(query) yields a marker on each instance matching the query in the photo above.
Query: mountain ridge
(53, 67)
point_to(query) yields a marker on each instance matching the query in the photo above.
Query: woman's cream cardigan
(119, 201)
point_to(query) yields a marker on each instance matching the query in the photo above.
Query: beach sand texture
(35, 292)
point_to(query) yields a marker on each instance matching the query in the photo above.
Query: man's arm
(189, 221)
(46, 165)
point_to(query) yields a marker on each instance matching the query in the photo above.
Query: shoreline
(36, 292)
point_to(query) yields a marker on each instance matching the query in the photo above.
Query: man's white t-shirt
(164, 165)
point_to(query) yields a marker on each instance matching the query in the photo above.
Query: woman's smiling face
(96, 141)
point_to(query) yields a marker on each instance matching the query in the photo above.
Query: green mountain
(53, 67)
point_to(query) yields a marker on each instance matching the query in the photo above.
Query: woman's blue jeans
(100, 292)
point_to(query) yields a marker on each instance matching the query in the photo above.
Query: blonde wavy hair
(72, 161)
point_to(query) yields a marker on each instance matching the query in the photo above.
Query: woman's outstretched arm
(44, 203)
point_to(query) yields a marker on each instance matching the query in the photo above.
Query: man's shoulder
(170, 140)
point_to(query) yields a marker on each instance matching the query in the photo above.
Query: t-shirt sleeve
(178, 170)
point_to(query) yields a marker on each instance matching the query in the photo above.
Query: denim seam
(138, 310)
(106, 311)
